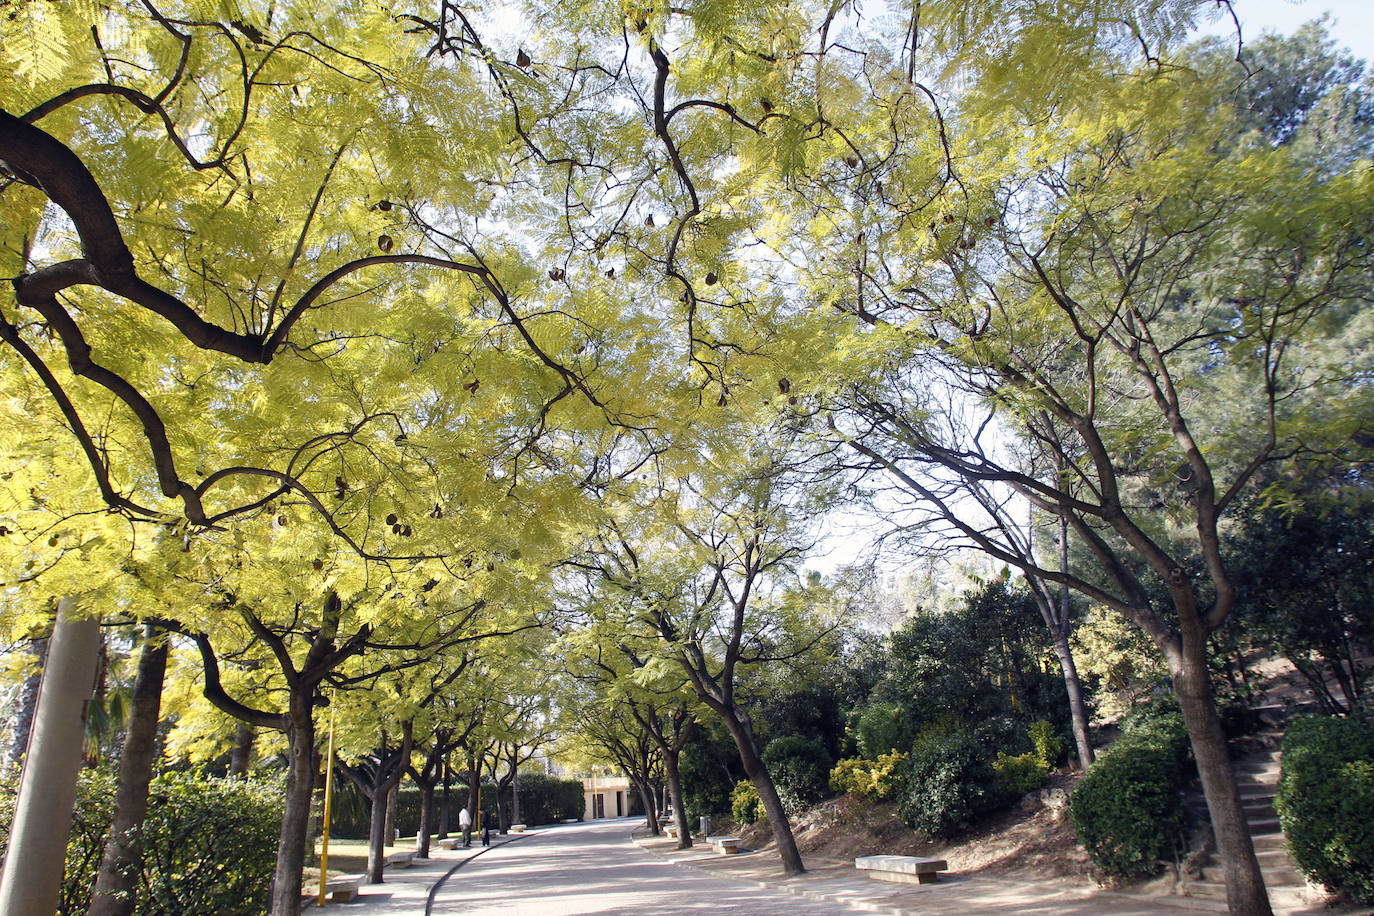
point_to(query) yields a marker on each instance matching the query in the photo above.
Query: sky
(1352, 20)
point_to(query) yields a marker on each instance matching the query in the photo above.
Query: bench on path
(340, 889)
(518, 828)
(902, 869)
(451, 842)
(671, 830)
(400, 859)
(725, 845)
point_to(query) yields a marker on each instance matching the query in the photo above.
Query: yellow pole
(328, 804)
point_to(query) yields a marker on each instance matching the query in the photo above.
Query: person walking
(465, 826)
(486, 828)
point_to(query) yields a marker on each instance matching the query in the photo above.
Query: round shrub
(881, 728)
(1128, 808)
(800, 767)
(950, 782)
(210, 845)
(1022, 773)
(875, 780)
(745, 804)
(1325, 800)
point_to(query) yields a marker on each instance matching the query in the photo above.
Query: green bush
(881, 728)
(210, 845)
(745, 804)
(800, 767)
(1020, 774)
(1049, 747)
(548, 800)
(876, 780)
(1128, 808)
(950, 782)
(1325, 800)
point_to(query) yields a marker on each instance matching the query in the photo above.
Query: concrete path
(595, 868)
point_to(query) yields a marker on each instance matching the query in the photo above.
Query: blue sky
(1353, 20)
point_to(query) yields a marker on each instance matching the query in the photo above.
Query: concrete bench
(344, 888)
(451, 842)
(518, 828)
(400, 859)
(671, 830)
(902, 869)
(725, 845)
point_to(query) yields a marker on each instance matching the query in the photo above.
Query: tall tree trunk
(392, 799)
(444, 803)
(295, 824)
(31, 881)
(646, 798)
(116, 884)
(1245, 893)
(426, 820)
(1078, 707)
(376, 835)
(740, 730)
(241, 756)
(474, 792)
(670, 764)
(28, 702)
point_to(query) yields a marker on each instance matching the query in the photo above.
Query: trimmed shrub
(1128, 808)
(800, 767)
(210, 845)
(548, 800)
(1020, 774)
(1325, 800)
(877, 780)
(950, 782)
(745, 804)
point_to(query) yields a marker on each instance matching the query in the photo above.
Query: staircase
(1257, 777)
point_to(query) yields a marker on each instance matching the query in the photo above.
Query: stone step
(1279, 897)
(1269, 842)
(1274, 877)
(1254, 808)
(1263, 825)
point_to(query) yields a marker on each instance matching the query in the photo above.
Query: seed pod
(384, 205)
(472, 386)
(281, 520)
(556, 274)
(522, 59)
(317, 565)
(610, 272)
(385, 242)
(391, 519)
(711, 279)
(766, 104)
(784, 385)
(851, 161)
(649, 221)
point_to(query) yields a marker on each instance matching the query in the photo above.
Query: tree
(1090, 311)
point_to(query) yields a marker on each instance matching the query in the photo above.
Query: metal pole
(328, 807)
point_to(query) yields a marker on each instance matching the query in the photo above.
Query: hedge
(1326, 803)
(1128, 808)
(210, 845)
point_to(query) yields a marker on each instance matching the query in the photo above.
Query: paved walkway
(594, 868)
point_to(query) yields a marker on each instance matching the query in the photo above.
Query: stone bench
(400, 859)
(451, 842)
(902, 869)
(341, 888)
(518, 828)
(671, 830)
(725, 845)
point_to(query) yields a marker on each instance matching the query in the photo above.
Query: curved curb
(434, 889)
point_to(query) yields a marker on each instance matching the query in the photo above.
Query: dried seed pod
(610, 272)
(851, 161)
(385, 242)
(281, 520)
(522, 59)
(711, 279)
(391, 519)
(649, 221)
(784, 385)
(472, 386)
(317, 565)
(384, 205)
(556, 274)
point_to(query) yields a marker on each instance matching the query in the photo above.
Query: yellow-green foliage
(875, 780)
(745, 804)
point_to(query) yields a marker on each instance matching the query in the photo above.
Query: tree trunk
(646, 798)
(670, 764)
(1078, 708)
(28, 702)
(754, 768)
(426, 820)
(444, 803)
(241, 757)
(31, 882)
(392, 798)
(295, 823)
(1245, 893)
(116, 884)
(377, 833)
